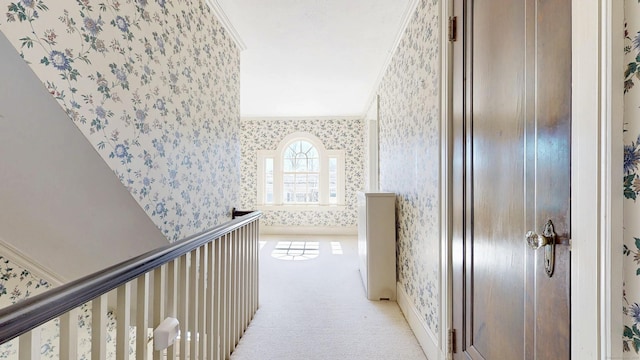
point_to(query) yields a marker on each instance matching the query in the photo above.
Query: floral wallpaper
(16, 284)
(335, 134)
(631, 168)
(154, 87)
(409, 135)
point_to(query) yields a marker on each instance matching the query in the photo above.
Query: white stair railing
(209, 282)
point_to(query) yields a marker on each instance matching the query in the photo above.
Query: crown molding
(406, 18)
(38, 270)
(222, 17)
(268, 118)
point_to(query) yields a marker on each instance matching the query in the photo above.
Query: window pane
(300, 188)
(301, 173)
(289, 163)
(304, 146)
(313, 164)
(333, 180)
(288, 189)
(301, 163)
(313, 153)
(268, 191)
(295, 147)
(313, 185)
(297, 157)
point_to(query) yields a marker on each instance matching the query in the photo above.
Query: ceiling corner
(407, 15)
(214, 5)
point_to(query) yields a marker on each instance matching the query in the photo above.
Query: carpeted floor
(312, 306)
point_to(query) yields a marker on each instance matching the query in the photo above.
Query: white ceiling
(312, 57)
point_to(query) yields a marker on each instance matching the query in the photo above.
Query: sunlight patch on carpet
(336, 248)
(296, 250)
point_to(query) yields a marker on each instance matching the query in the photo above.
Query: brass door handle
(546, 240)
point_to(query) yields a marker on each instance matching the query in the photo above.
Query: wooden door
(512, 129)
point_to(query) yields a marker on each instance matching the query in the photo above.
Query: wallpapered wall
(409, 157)
(631, 303)
(154, 86)
(335, 134)
(16, 284)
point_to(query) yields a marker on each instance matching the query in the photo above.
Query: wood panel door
(512, 130)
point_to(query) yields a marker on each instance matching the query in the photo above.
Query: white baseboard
(428, 341)
(308, 230)
(19, 258)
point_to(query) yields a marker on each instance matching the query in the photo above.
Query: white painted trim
(309, 230)
(224, 20)
(261, 158)
(284, 118)
(406, 18)
(585, 182)
(301, 207)
(595, 290)
(446, 173)
(373, 149)
(426, 338)
(612, 199)
(16, 256)
(341, 185)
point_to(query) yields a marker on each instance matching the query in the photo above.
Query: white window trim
(277, 156)
(339, 155)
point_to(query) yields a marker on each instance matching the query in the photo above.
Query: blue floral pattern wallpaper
(631, 168)
(409, 126)
(17, 284)
(335, 134)
(154, 86)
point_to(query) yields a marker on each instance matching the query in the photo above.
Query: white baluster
(123, 322)
(69, 335)
(172, 300)
(242, 282)
(211, 276)
(159, 302)
(255, 248)
(226, 293)
(183, 301)
(99, 328)
(29, 345)
(193, 304)
(239, 285)
(202, 313)
(256, 266)
(218, 299)
(142, 316)
(234, 290)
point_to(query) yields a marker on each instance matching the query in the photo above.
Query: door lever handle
(546, 240)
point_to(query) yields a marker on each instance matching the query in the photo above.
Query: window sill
(302, 207)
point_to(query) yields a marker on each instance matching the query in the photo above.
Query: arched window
(300, 172)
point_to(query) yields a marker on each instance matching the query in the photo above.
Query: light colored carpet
(316, 308)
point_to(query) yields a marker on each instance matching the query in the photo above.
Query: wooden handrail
(26, 315)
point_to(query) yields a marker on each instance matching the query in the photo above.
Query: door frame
(596, 178)
(596, 208)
